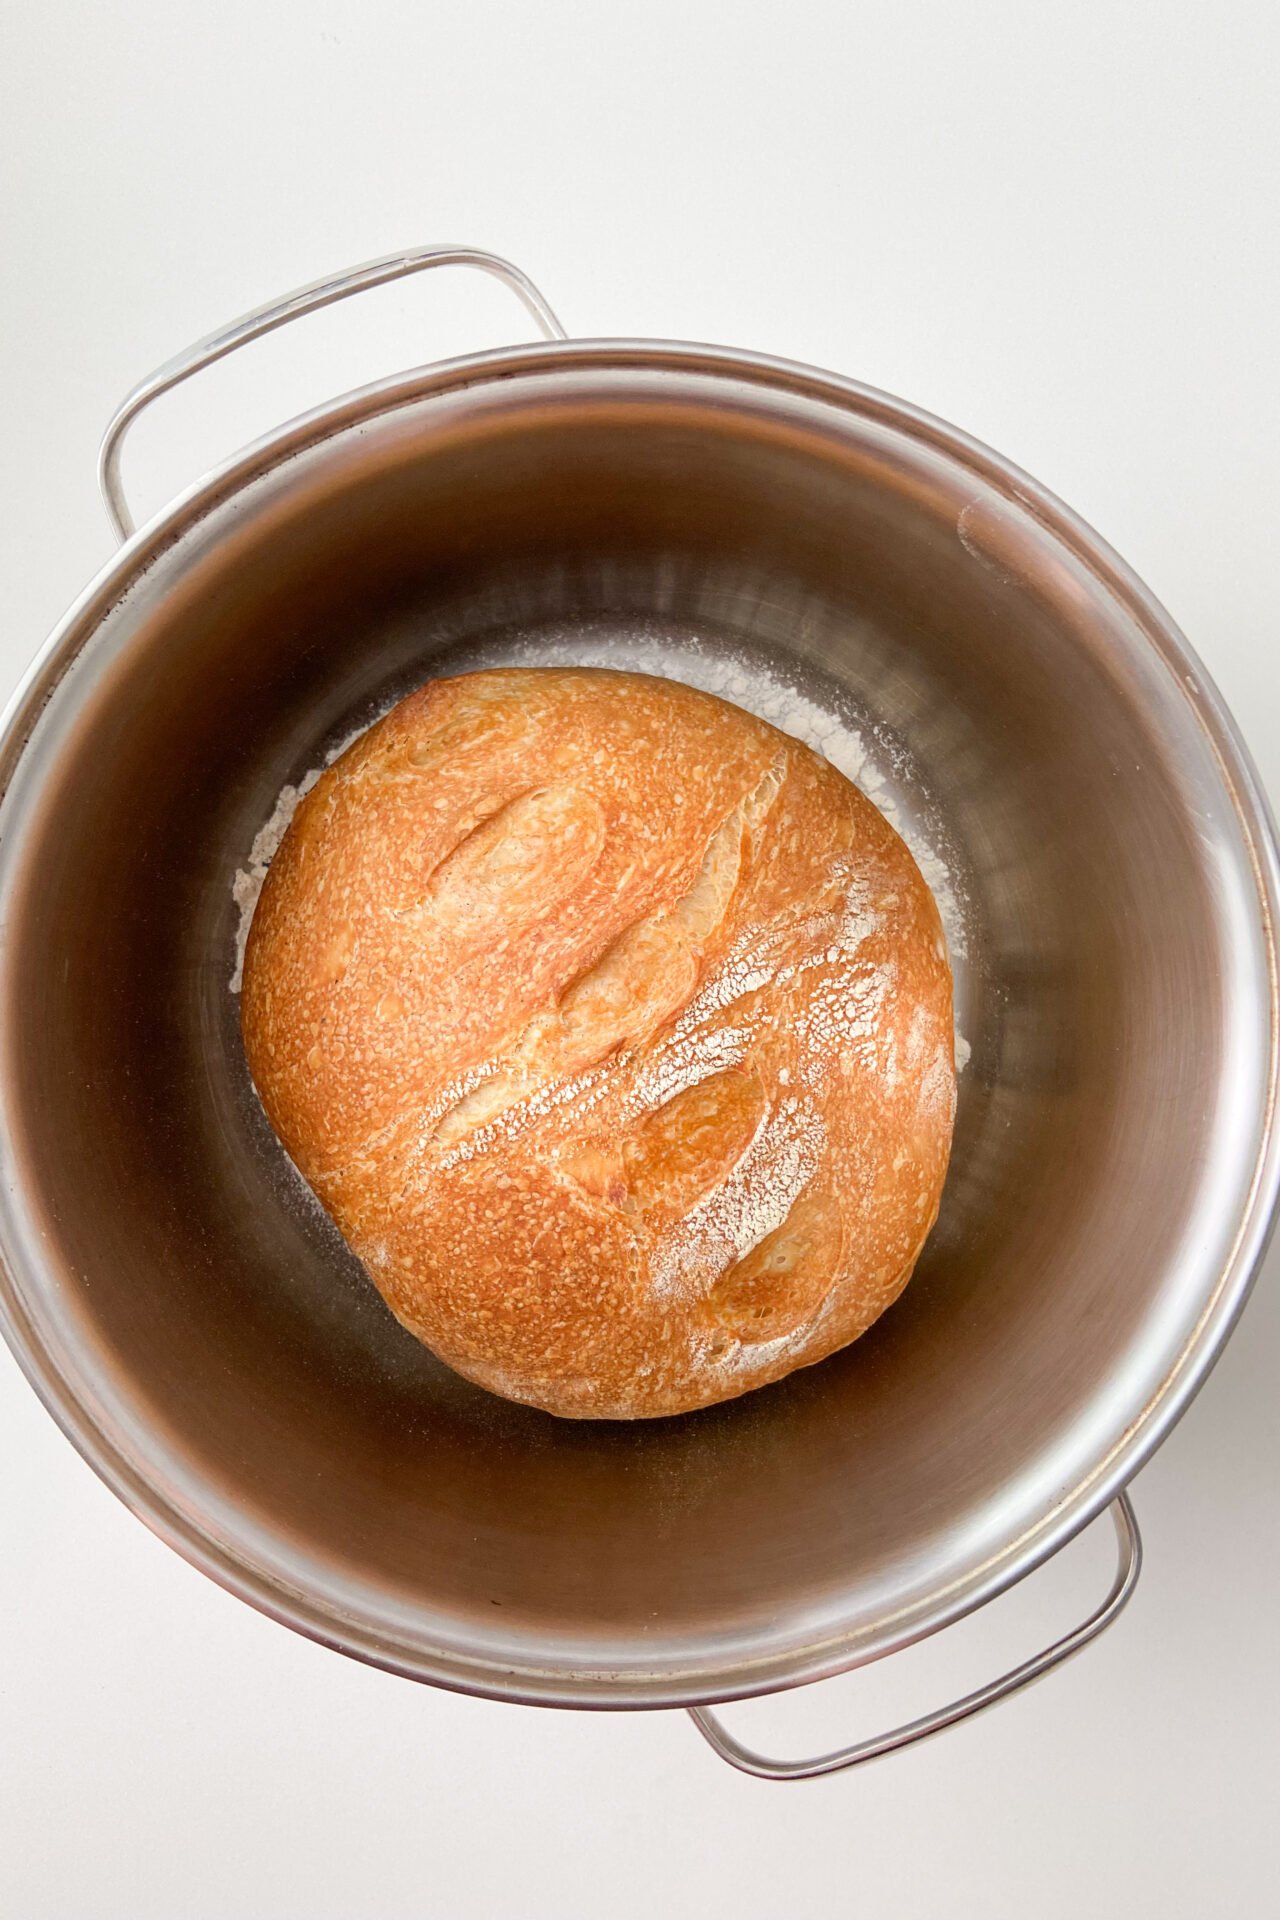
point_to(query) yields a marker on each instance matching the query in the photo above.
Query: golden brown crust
(613, 1027)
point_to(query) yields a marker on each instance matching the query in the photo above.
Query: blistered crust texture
(613, 1028)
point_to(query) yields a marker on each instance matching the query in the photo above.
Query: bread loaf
(613, 1028)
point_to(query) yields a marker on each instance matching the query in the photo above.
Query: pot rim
(231, 1564)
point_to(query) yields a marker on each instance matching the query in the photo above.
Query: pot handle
(321, 293)
(1128, 1567)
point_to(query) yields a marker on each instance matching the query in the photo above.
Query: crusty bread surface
(613, 1028)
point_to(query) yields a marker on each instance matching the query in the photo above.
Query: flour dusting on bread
(613, 1028)
(856, 751)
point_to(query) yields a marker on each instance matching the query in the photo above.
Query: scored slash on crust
(647, 975)
(617, 1100)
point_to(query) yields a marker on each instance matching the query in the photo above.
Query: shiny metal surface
(201, 1333)
(1128, 1567)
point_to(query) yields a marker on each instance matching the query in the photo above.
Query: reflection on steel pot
(200, 1331)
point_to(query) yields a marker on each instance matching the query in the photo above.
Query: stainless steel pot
(202, 1335)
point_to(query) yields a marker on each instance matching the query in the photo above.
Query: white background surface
(1054, 226)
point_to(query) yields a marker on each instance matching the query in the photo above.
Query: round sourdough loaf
(613, 1028)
